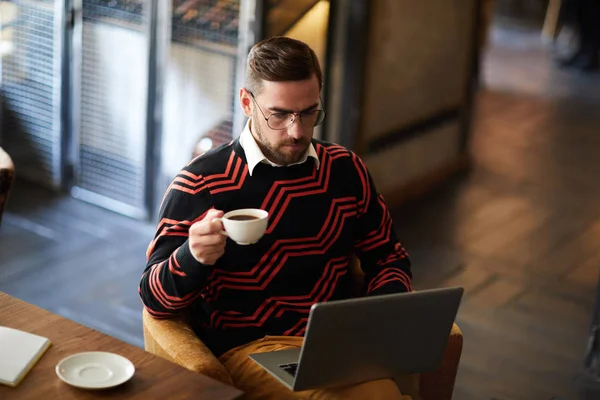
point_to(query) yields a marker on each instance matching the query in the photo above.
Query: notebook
(19, 351)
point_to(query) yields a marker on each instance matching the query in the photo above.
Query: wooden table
(155, 378)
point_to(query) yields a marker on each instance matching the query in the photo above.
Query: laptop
(361, 339)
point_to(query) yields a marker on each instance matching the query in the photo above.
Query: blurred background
(478, 119)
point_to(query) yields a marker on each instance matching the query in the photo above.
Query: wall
(417, 67)
(312, 29)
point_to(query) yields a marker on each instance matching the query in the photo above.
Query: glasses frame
(296, 115)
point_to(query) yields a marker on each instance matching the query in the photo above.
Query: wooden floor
(74, 259)
(521, 233)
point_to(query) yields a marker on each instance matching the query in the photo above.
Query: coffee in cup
(243, 217)
(245, 226)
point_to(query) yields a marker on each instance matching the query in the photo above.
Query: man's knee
(381, 389)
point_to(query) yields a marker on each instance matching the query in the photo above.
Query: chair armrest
(439, 384)
(174, 340)
(7, 177)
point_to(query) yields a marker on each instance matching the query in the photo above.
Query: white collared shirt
(254, 154)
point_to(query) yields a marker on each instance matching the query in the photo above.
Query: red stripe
(286, 244)
(382, 238)
(154, 288)
(190, 175)
(158, 314)
(187, 190)
(188, 182)
(176, 269)
(289, 250)
(383, 274)
(178, 228)
(361, 169)
(300, 327)
(389, 275)
(223, 180)
(289, 186)
(303, 193)
(320, 248)
(276, 185)
(230, 178)
(306, 241)
(166, 300)
(236, 187)
(328, 281)
(291, 183)
(334, 149)
(296, 185)
(182, 172)
(399, 255)
(224, 175)
(408, 287)
(378, 236)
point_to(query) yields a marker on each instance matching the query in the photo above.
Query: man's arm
(173, 276)
(384, 261)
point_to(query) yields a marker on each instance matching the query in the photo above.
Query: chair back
(7, 176)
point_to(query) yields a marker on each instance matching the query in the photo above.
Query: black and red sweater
(318, 218)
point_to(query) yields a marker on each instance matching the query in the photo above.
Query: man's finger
(209, 228)
(206, 227)
(212, 214)
(211, 239)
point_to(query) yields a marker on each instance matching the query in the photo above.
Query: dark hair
(279, 59)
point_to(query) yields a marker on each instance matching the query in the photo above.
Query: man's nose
(296, 130)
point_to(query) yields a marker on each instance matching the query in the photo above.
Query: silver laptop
(357, 340)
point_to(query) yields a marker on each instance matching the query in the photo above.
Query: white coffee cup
(245, 226)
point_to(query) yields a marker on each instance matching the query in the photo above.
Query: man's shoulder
(214, 161)
(338, 154)
(332, 149)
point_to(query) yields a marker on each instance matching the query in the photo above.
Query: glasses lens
(320, 117)
(280, 120)
(312, 118)
(284, 120)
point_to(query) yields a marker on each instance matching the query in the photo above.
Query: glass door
(31, 50)
(109, 104)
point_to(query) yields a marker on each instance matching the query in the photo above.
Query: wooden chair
(7, 176)
(175, 340)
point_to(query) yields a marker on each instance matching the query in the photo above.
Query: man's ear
(246, 102)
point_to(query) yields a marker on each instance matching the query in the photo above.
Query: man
(323, 208)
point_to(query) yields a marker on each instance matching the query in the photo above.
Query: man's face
(284, 146)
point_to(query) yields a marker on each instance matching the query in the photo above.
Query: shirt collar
(254, 154)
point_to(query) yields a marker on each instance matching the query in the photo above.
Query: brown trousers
(259, 384)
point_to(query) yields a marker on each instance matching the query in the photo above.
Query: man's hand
(207, 243)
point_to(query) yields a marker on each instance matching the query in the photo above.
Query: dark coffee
(242, 217)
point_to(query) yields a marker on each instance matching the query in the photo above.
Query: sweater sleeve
(172, 279)
(383, 259)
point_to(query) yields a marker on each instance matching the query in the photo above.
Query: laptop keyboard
(290, 368)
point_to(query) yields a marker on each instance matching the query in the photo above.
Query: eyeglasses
(283, 120)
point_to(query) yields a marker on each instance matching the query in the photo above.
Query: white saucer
(95, 370)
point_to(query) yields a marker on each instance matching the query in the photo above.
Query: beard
(278, 153)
